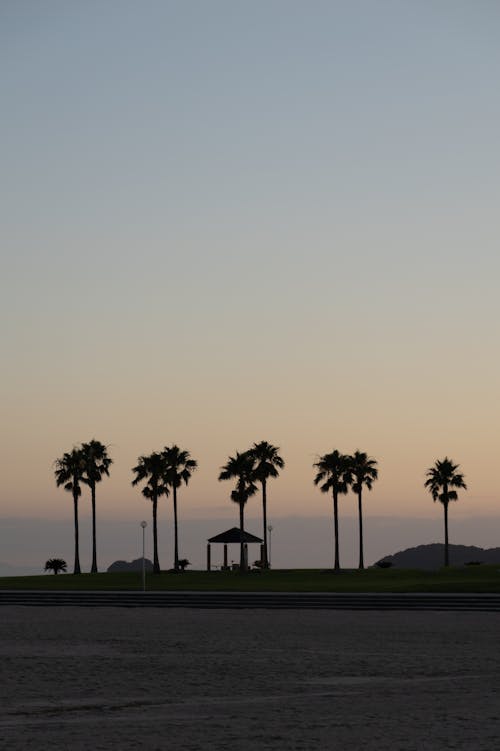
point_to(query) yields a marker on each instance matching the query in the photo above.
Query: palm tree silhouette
(441, 479)
(267, 462)
(364, 473)
(55, 565)
(334, 474)
(96, 465)
(152, 470)
(178, 469)
(69, 472)
(241, 468)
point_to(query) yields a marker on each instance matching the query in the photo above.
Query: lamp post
(269, 529)
(143, 525)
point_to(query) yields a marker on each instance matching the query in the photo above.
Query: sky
(229, 222)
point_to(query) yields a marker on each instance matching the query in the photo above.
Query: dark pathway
(266, 600)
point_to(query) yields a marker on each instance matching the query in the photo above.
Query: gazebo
(226, 538)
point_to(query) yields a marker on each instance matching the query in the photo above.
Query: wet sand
(112, 678)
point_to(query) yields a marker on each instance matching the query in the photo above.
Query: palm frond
(240, 468)
(267, 460)
(178, 466)
(442, 477)
(364, 471)
(96, 462)
(68, 471)
(151, 469)
(333, 472)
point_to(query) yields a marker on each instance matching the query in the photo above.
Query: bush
(56, 565)
(384, 564)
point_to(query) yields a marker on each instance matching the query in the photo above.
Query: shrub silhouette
(56, 565)
(384, 564)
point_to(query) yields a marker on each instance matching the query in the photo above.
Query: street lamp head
(269, 527)
(144, 525)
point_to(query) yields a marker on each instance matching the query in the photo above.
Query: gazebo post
(209, 562)
(245, 550)
(225, 555)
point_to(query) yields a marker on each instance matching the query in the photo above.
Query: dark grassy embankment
(463, 579)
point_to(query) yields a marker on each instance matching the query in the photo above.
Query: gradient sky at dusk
(226, 222)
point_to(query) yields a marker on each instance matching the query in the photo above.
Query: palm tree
(334, 474)
(178, 469)
(56, 565)
(241, 468)
(69, 472)
(152, 469)
(97, 464)
(267, 462)
(364, 473)
(441, 479)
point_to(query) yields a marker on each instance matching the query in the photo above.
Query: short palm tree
(151, 469)
(56, 565)
(69, 473)
(97, 464)
(267, 463)
(442, 478)
(364, 473)
(334, 474)
(178, 469)
(240, 468)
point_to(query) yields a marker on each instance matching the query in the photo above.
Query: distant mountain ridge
(132, 566)
(432, 556)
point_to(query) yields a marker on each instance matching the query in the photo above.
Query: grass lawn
(463, 579)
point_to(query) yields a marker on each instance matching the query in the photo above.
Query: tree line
(164, 472)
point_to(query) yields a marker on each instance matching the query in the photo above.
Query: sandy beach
(113, 678)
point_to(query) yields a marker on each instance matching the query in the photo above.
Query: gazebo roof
(233, 535)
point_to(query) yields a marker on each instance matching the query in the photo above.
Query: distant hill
(432, 556)
(132, 566)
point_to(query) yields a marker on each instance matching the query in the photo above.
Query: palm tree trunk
(265, 561)
(156, 562)
(446, 555)
(93, 569)
(176, 541)
(336, 565)
(76, 569)
(243, 566)
(360, 513)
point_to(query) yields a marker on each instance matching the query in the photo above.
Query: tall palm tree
(334, 474)
(69, 473)
(267, 463)
(240, 468)
(364, 473)
(151, 469)
(96, 465)
(178, 469)
(441, 479)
